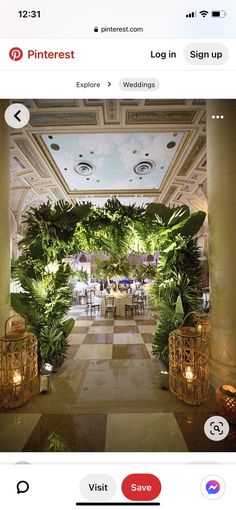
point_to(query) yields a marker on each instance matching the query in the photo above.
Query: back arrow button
(17, 115)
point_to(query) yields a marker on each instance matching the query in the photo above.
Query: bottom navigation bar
(67, 486)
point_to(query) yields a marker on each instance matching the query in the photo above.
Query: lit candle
(229, 389)
(17, 378)
(189, 374)
(199, 328)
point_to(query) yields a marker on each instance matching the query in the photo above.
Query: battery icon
(218, 14)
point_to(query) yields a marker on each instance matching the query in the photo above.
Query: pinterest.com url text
(118, 29)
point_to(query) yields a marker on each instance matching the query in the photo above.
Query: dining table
(120, 300)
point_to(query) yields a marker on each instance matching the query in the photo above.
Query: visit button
(141, 487)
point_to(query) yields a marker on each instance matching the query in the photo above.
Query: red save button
(141, 487)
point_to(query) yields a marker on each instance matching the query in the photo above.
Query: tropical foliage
(81, 275)
(175, 290)
(145, 272)
(114, 267)
(44, 277)
(53, 232)
(110, 229)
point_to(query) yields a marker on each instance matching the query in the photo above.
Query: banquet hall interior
(117, 275)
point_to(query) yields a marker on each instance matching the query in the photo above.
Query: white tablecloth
(119, 302)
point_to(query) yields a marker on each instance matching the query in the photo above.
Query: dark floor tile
(105, 338)
(84, 318)
(71, 352)
(146, 322)
(147, 338)
(134, 351)
(126, 329)
(80, 329)
(104, 322)
(192, 427)
(71, 433)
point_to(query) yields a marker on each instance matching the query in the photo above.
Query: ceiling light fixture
(144, 167)
(55, 147)
(84, 168)
(171, 145)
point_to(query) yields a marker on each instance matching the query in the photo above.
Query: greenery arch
(53, 232)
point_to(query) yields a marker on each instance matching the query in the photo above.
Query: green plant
(54, 341)
(50, 229)
(169, 320)
(54, 231)
(56, 443)
(81, 275)
(44, 303)
(114, 267)
(45, 277)
(111, 229)
(145, 272)
(175, 290)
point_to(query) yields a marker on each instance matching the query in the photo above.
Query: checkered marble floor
(95, 338)
(107, 397)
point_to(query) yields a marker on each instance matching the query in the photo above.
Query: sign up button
(206, 54)
(132, 84)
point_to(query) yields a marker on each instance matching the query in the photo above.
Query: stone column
(4, 220)
(221, 170)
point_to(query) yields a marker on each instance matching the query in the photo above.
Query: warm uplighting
(52, 268)
(164, 380)
(48, 367)
(189, 374)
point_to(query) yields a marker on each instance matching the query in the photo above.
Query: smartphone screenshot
(117, 255)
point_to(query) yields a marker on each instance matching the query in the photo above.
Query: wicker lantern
(203, 324)
(226, 402)
(18, 364)
(189, 364)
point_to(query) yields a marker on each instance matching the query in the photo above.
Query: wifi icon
(204, 13)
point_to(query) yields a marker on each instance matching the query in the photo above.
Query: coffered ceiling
(138, 150)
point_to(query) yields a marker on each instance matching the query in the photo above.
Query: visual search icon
(216, 428)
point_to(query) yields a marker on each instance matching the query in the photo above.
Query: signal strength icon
(192, 14)
(204, 13)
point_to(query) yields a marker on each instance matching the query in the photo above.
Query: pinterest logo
(16, 54)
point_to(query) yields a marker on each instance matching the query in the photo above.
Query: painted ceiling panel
(106, 161)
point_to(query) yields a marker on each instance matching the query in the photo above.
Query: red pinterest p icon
(16, 54)
(141, 487)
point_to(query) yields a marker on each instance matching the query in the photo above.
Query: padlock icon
(95, 29)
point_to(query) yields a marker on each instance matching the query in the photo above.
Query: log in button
(132, 84)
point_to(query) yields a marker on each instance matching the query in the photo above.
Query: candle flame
(189, 374)
(17, 378)
(231, 389)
